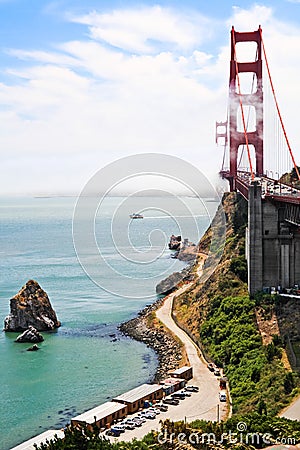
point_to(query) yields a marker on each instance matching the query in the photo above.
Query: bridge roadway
(271, 189)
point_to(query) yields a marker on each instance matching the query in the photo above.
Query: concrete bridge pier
(254, 247)
(272, 242)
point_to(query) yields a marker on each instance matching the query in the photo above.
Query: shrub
(238, 266)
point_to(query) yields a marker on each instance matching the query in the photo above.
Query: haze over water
(82, 364)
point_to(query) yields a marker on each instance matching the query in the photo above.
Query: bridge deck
(271, 189)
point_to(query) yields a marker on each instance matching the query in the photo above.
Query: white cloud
(140, 30)
(86, 103)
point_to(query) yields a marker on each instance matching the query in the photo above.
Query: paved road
(207, 400)
(292, 411)
(204, 404)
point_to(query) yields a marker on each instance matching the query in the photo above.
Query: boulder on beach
(31, 306)
(30, 335)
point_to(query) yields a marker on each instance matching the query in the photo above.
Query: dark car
(192, 388)
(113, 432)
(187, 393)
(179, 395)
(171, 401)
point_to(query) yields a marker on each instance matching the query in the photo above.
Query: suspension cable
(277, 107)
(224, 156)
(242, 109)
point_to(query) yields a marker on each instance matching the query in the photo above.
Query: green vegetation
(258, 431)
(238, 266)
(261, 425)
(85, 439)
(221, 318)
(255, 372)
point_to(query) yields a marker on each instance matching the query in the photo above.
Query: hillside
(219, 315)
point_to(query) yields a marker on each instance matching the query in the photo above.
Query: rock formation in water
(31, 306)
(34, 348)
(30, 335)
(175, 242)
(184, 249)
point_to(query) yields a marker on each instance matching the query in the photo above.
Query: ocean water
(82, 364)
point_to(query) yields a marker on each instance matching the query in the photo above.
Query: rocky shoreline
(167, 348)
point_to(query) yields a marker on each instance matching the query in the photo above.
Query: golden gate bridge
(259, 163)
(254, 132)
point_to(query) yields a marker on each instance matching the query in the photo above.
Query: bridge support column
(254, 244)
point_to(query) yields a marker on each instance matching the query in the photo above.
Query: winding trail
(292, 411)
(207, 405)
(204, 404)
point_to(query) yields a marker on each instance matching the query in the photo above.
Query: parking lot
(190, 408)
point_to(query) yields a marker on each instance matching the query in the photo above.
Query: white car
(222, 396)
(140, 418)
(154, 410)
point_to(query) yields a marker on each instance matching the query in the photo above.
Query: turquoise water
(80, 365)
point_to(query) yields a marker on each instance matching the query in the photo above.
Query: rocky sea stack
(30, 335)
(31, 306)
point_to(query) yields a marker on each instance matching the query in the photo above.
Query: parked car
(222, 396)
(211, 366)
(154, 410)
(171, 401)
(129, 425)
(129, 421)
(148, 414)
(217, 372)
(140, 418)
(223, 382)
(187, 393)
(192, 388)
(118, 428)
(179, 395)
(162, 408)
(113, 432)
(137, 422)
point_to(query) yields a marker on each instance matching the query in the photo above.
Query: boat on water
(136, 216)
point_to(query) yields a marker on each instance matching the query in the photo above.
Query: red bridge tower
(237, 100)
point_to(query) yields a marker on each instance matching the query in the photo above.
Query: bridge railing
(271, 188)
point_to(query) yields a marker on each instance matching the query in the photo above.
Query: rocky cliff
(31, 306)
(192, 306)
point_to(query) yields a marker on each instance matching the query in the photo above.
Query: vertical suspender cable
(277, 107)
(242, 110)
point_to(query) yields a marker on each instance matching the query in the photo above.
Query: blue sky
(85, 83)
